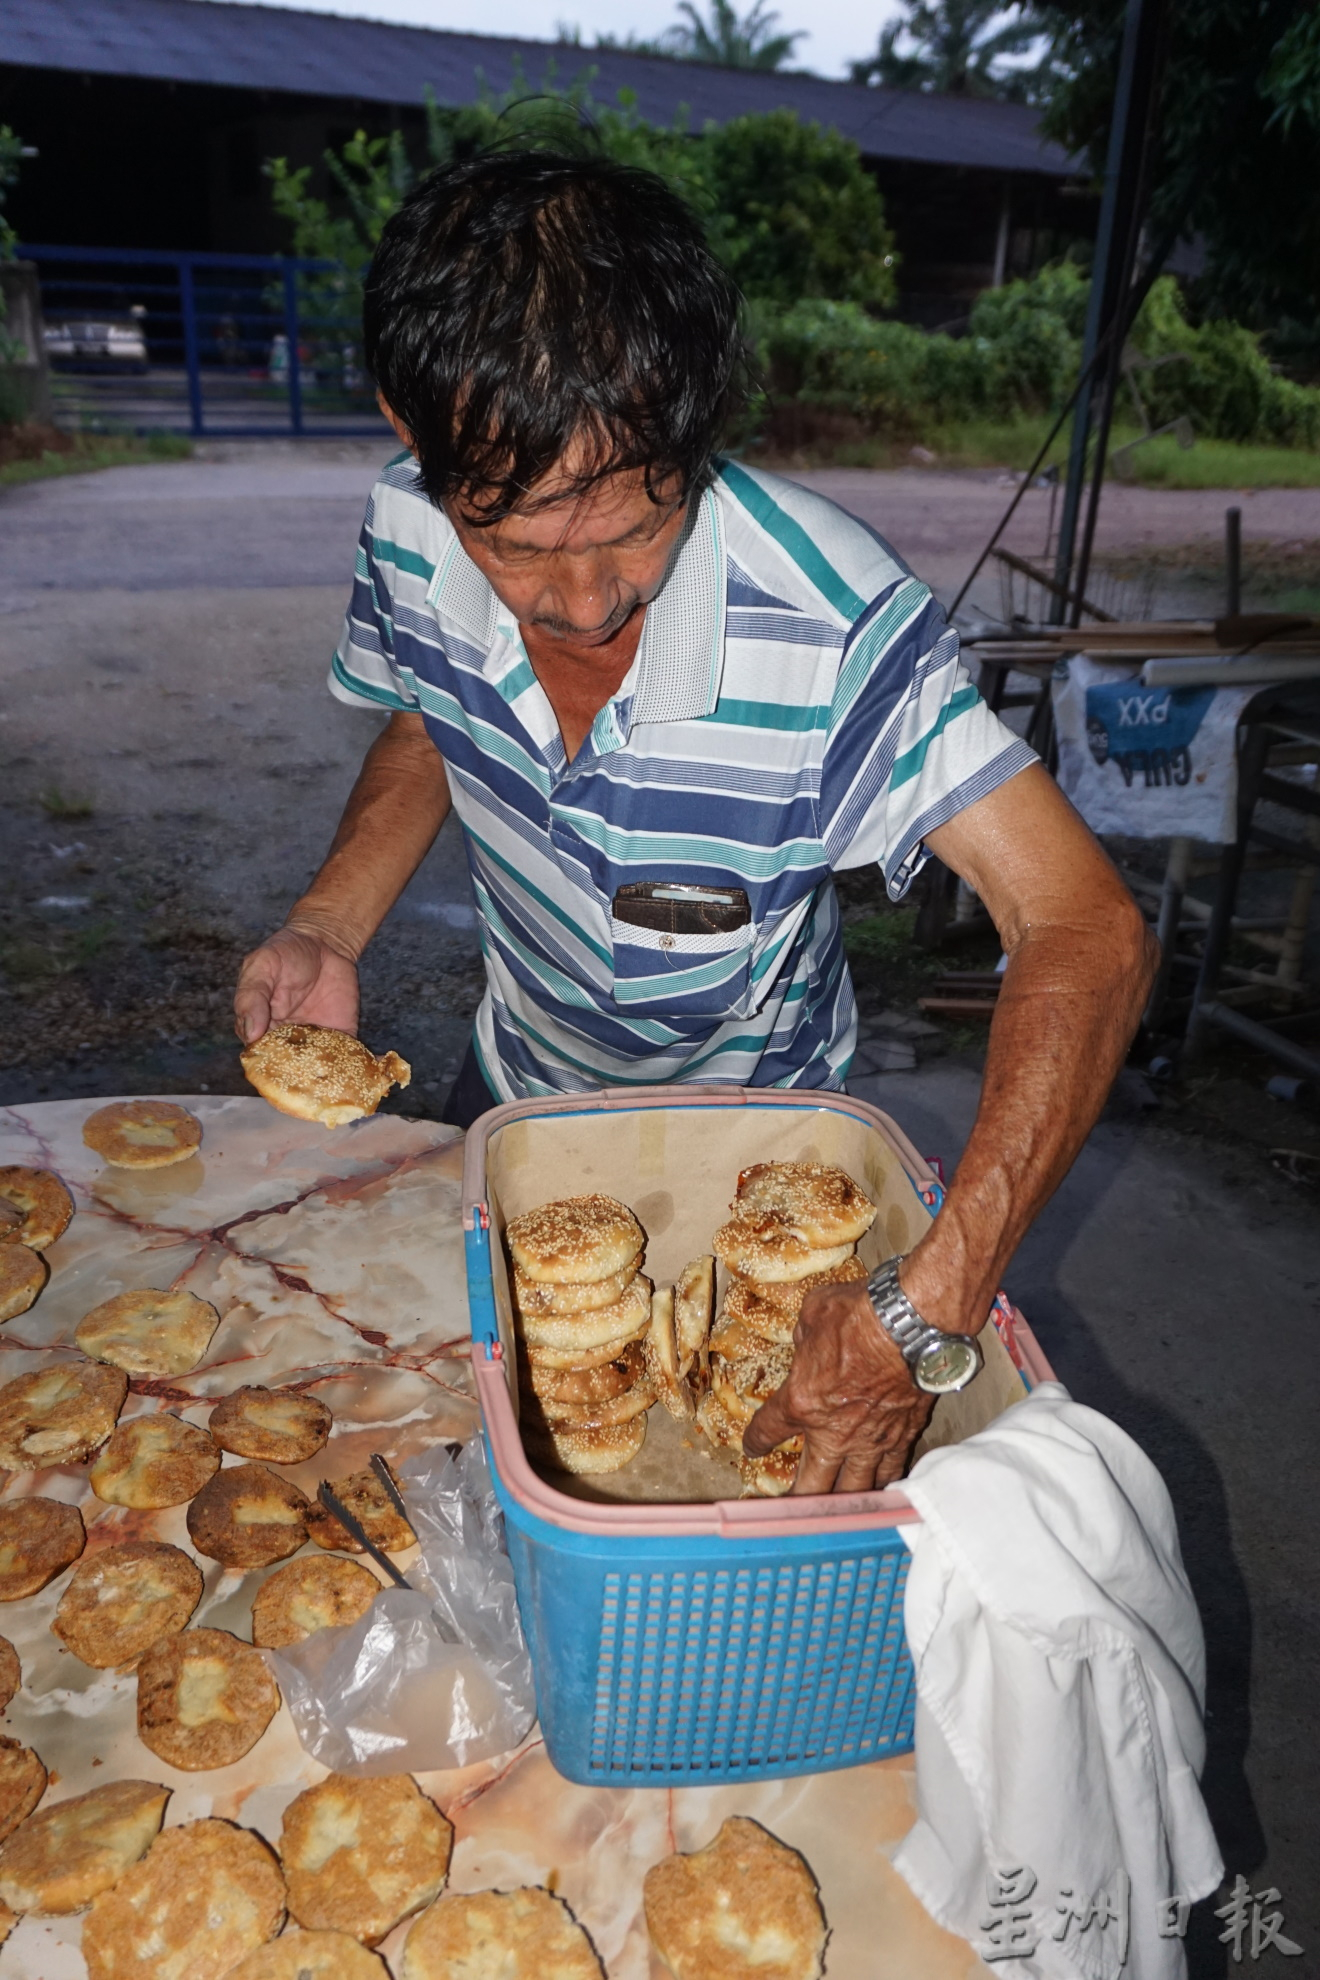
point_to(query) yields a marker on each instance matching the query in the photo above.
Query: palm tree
(955, 46)
(729, 42)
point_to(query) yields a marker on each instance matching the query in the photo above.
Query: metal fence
(221, 345)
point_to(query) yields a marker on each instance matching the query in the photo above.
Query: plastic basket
(679, 1643)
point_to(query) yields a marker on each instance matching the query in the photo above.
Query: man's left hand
(849, 1394)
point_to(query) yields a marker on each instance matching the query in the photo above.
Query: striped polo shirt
(796, 705)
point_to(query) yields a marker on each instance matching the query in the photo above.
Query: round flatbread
(719, 1426)
(584, 1452)
(771, 1476)
(38, 1540)
(734, 1338)
(311, 1956)
(586, 1385)
(66, 1855)
(22, 1783)
(317, 1592)
(142, 1134)
(535, 1296)
(761, 1245)
(744, 1384)
(744, 1908)
(359, 1856)
(578, 1240)
(584, 1357)
(203, 1699)
(527, 1934)
(587, 1415)
(246, 1517)
(59, 1414)
(362, 1494)
(772, 1309)
(125, 1598)
(821, 1203)
(11, 1673)
(153, 1461)
(277, 1426)
(203, 1896)
(591, 1330)
(149, 1333)
(43, 1204)
(318, 1074)
(23, 1273)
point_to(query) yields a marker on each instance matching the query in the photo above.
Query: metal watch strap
(896, 1313)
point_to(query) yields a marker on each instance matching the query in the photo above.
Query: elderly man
(668, 697)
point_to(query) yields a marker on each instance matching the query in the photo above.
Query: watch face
(947, 1365)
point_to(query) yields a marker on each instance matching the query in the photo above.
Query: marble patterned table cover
(335, 1259)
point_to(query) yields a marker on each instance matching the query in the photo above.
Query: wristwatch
(939, 1363)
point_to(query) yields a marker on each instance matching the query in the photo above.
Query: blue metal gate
(217, 345)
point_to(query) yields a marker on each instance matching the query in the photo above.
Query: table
(335, 1259)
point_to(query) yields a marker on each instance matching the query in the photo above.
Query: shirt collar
(680, 656)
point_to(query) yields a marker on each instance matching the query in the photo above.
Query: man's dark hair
(521, 302)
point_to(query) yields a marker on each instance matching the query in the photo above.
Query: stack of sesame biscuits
(795, 1226)
(583, 1310)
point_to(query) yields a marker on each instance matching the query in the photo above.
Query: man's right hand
(299, 977)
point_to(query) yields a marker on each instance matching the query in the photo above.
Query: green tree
(1237, 154)
(723, 38)
(12, 149)
(957, 47)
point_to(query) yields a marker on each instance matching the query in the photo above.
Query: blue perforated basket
(676, 1643)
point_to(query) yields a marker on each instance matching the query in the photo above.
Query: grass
(1014, 444)
(61, 804)
(86, 452)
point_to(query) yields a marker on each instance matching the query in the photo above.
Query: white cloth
(1060, 1671)
(1151, 763)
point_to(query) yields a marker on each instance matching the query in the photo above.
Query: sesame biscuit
(578, 1239)
(360, 1855)
(203, 1699)
(246, 1517)
(694, 1305)
(23, 1273)
(311, 1956)
(526, 1934)
(362, 1493)
(743, 1385)
(121, 1600)
(733, 1338)
(43, 1204)
(772, 1308)
(744, 1908)
(22, 1783)
(821, 1203)
(536, 1296)
(589, 1415)
(605, 1447)
(278, 1426)
(59, 1414)
(149, 1333)
(662, 1357)
(66, 1855)
(11, 1673)
(761, 1245)
(142, 1134)
(582, 1357)
(589, 1330)
(318, 1074)
(153, 1461)
(203, 1896)
(38, 1540)
(307, 1595)
(773, 1475)
(585, 1385)
(719, 1426)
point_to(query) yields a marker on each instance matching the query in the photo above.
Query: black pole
(1233, 560)
(1111, 274)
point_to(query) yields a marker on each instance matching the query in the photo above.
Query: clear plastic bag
(434, 1676)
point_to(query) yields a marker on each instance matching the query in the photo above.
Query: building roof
(326, 55)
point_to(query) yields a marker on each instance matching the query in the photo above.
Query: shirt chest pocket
(663, 974)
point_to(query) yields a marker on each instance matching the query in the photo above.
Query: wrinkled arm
(1080, 964)
(308, 968)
